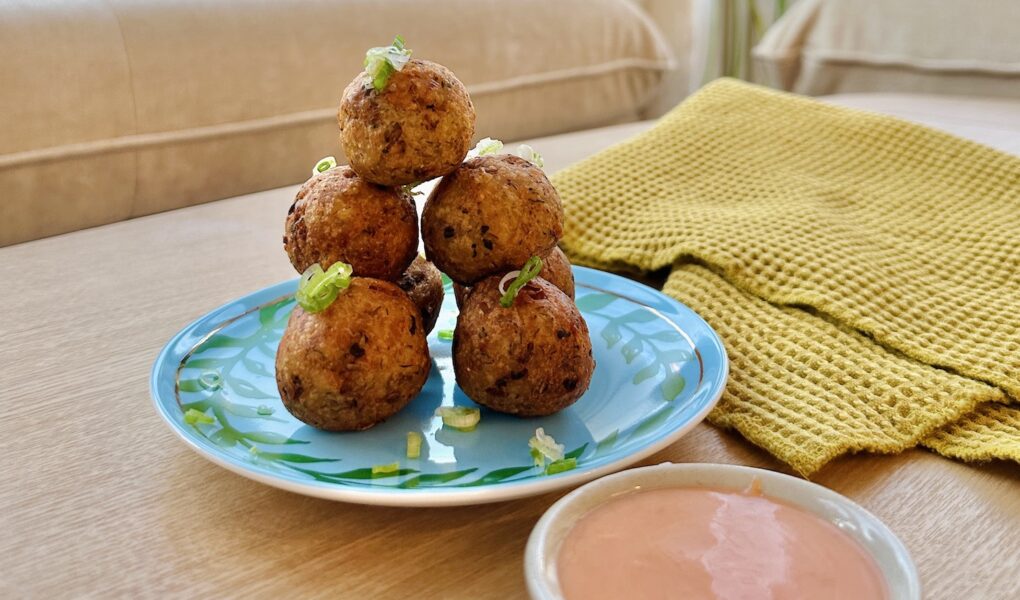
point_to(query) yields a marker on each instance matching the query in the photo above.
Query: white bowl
(888, 551)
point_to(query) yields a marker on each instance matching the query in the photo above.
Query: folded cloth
(863, 272)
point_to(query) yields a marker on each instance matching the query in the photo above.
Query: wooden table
(100, 499)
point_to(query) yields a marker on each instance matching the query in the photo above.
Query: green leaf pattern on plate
(661, 345)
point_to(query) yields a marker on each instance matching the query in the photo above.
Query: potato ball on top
(489, 216)
(404, 120)
(339, 217)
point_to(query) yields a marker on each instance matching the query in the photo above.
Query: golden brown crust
(555, 269)
(531, 359)
(338, 216)
(418, 127)
(460, 293)
(357, 362)
(489, 216)
(424, 285)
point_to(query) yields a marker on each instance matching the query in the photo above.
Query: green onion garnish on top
(528, 153)
(486, 146)
(318, 289)
(520, 279)
(490, 146)
(324, 165)
(383, 62)
(408, 190)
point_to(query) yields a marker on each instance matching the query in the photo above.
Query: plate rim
(436, 496)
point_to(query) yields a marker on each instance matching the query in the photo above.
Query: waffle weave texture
(863, 272)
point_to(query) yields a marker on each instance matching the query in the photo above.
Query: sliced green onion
(485, 147)
(559, 466)
(318, 289)
(528, 153)
(445, 334)
(385, 469)
(490, 146)
(544, 447)
(265, 410)
(210, 380)
(520, 279)
(408, 190)
(537, 457)
(193, 417)
(383, 62)
(462, 418)
(413, 444)
(324, 165)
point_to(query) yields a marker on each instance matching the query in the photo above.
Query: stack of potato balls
(354, 351)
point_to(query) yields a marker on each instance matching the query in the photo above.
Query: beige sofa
(118, 108)
(114, 109)
(907, 46)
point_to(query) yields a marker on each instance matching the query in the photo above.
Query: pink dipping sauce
(704, 543)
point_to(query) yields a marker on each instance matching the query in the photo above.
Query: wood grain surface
(98, 498)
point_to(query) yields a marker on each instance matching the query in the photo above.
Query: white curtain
(723, 34)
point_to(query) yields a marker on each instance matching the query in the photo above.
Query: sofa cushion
(132, 107)
(921, 46)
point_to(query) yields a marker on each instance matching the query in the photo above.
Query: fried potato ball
(424, 285)
(531, 359)
(338, 216)
(555, 270)
(357, 362)
(418, 127)
(490, 216)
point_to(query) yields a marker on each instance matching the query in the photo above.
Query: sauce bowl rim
(885, 548)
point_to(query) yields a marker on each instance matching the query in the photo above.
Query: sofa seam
(915, 63)
(139, 141)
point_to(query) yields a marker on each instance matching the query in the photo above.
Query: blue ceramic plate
(659, 370)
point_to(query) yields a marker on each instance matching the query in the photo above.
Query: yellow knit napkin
(864, 272)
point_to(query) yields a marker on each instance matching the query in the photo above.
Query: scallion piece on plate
(413, 444)
(210, 380)
(559, 466)
(445, 334)
(520, 279)
(544, 448)
(461, 418)
(382, 62)
(318, 289)
(194, 417)
(385, 469)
